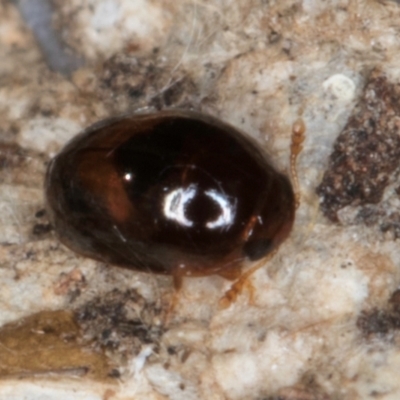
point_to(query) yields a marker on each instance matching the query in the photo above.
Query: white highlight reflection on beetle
(177, 201)
(225, 219)
(128, 177)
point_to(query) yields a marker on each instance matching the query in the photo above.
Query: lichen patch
(366, 155)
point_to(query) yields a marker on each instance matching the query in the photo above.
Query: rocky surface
(323, 321)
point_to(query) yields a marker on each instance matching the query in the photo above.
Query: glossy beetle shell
(173, 192)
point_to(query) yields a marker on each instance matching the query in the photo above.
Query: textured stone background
(325, 317)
